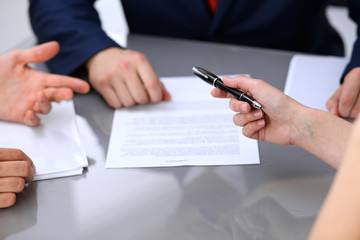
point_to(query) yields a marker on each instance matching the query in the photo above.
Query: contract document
(193, 128)
(54, 146)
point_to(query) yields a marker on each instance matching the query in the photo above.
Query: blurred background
(15, 27)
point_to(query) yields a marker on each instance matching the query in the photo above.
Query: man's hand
(26, 92)
(16, 169)
(125, 78)
(346, 102)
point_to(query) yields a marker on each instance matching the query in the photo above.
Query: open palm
(26, 92)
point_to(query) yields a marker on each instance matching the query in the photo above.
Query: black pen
(218, 83)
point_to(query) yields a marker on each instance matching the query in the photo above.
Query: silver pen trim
(257, 105)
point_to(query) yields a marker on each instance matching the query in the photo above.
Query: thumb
(166, 94)
(40, 53)
(241, 82)
(255, 88)
(332, 103)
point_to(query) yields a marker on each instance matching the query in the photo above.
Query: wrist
(302, 127)
(322, 134)
(91, 61)
(101, 56)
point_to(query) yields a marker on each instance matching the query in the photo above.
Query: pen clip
(197, 71)
(205, 75)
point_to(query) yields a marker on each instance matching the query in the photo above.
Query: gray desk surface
(278, 199)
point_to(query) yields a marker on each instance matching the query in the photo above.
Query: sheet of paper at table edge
(313, 79)
(54, 145)
(176, 145)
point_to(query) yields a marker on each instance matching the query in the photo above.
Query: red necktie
(213, 5)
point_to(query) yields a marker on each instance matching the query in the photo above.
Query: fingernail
(261, 122)
(332, 109)
(258, 113)
(43, 99)
(243, 108)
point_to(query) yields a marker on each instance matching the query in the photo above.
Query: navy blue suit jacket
(296, 25)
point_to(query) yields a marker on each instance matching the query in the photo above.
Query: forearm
(75, 25)
(340, 215)
(322, 134)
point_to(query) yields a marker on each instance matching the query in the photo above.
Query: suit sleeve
(354, 13)
(75, 24)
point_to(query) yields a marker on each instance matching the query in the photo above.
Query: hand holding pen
(277, 121)
(218, 83)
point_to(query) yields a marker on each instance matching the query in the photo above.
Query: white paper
(119, 37)
(312, 80)
(192, 129)
(54, 146)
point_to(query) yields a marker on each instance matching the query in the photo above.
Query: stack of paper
(192, 129)
(54, 145)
